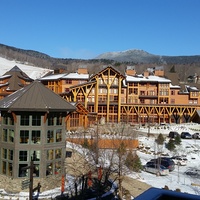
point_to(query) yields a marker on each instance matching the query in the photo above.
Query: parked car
(173, 134)
(166, 162)
(178, 160)
(194, 173)
(186, 135)
(196, 136)
(153, 168)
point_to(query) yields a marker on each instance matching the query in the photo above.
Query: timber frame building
(130, 98)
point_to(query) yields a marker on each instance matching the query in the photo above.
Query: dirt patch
(133, 186)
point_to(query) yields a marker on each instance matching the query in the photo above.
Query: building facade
(132, 98)
(33, 127)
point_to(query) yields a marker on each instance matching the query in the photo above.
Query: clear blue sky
(87, 28)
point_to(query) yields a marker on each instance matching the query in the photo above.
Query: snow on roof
(147, 79)
(175, 86)
(66, 76)
(4, 76)
(52, 77)
(75, 76)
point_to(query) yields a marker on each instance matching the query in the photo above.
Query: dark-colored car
(166, 162)
(173, 134)
(195, 173)
(186, 135)
(196, 136)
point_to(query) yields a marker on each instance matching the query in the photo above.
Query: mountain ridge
(141, 56)
(120, 60)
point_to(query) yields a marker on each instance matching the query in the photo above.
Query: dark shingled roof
(15, 80)
(35, 97)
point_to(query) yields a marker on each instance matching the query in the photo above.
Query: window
(5, 119)
(35, 155)
(131, 84)
(49, 169)
(8, 119)
(142, 101)
(24, 136)
(59, 119)
(74, 120)
(57, 168)
(50, 136)
(11, 135)
(59, 135)
(130, 90)
(4, 166)
(23, 156)
(68, 81)
(50, 120)
(35, 137)
(10, 169)
(10, 154)
(21, 172)
(66, 89)
(5, 135)
(152, 93)
(135, 91)
(36, 170)
(142, 93)
(36, 120)
(4, 153)
(58, 153)
(172, 92)
(164, 92)
(50, 155)
(24, 120)
(163, 100)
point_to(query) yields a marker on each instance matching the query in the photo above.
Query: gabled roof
(35, 97)
(106, 68)
(16, 76)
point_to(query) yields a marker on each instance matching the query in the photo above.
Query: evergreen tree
(137, 165)
(171, 145)
(177, 140)
(160, 139)
(133, 162)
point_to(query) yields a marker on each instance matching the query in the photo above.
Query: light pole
(30, 179)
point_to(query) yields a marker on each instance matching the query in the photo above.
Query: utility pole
(31, 179)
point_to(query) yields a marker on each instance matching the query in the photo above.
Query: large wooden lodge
(130, 98)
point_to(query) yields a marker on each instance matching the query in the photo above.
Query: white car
(180, 160)
(156, 169)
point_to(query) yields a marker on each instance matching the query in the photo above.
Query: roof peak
(15, 69)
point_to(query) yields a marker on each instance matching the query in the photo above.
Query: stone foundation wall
(15, 185)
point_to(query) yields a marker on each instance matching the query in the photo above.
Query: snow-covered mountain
(134, 55)
(32, 71)
(140, 56)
